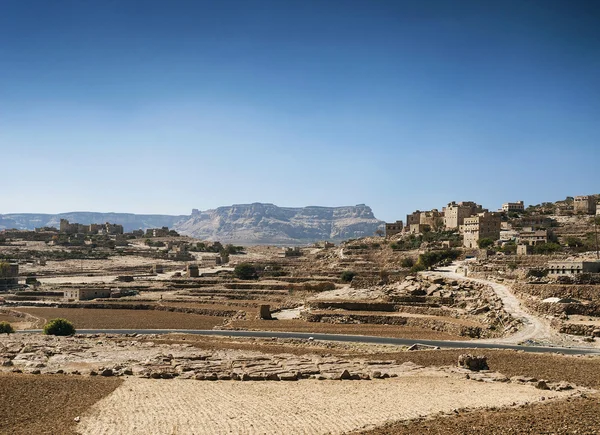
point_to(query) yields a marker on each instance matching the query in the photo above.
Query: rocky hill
(242, 224)
(268, 224)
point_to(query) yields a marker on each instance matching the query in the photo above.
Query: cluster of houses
(474, 223)
(103, 229)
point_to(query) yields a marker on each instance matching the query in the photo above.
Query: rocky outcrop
(268, 224)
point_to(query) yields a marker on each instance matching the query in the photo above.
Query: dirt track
(142, 406)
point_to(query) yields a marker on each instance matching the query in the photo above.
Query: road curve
(344, 338)
(533, 326)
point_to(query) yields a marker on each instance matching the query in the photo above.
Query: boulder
(265, 312)
(473, 363)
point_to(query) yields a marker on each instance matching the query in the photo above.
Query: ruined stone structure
(455, 214)
(9, 275)
(87, 294)
(513, 206)
(483, 226)
(393, 228)
(584, 204)
(292, 252)
(157, 232)
(192, 271)
(573, 267)
(524, 249)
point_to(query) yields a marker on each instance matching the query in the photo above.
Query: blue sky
(164, 106)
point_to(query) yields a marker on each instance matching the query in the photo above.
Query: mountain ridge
(256, 223)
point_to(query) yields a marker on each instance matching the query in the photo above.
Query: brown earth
(571, 416)
(47, 404)
(340, 328)
(90, 318)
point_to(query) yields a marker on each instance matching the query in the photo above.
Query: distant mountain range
(242, 224)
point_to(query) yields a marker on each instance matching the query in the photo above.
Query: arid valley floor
(177, 383)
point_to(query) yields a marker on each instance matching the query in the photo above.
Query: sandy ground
(142, 406)
(348, 292)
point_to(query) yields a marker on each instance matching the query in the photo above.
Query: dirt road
(534, 327)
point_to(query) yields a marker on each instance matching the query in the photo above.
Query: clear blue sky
(164, 106)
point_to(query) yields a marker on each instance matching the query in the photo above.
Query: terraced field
(142, 406)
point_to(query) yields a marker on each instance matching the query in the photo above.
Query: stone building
(556, 268)
(86, 294)
(513, 206)
(413, 219)
(455, 214)
(532, 237)
(597, 209)
(393, 228)
(584, 204)
(483, 226)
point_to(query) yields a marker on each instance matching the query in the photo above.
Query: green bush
(59, 327)
(407, 262)
(245, 271)
(347, 276)
(431, 258)
(485, 243)
(6, 328)
(546, 248)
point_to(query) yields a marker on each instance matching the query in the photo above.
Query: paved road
(344, 338)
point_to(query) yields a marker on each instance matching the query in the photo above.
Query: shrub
(431, 258)
(59, 327)
(6, 328)
(407, 262)
(546, 248)
(245, 271)
(347, 276)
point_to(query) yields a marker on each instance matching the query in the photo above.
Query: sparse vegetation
(347, 276)
(546, 248)
(407, 262)
(60, 327)
(245, 271)
(431, 258)
(6, 328)
(485, 243)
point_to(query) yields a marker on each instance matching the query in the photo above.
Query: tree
(485, 243)
(245, 271)
(380, 232)
(573, 242)
(6, 328)
(59, 327)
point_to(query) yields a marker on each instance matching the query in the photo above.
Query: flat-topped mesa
(259, 223)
